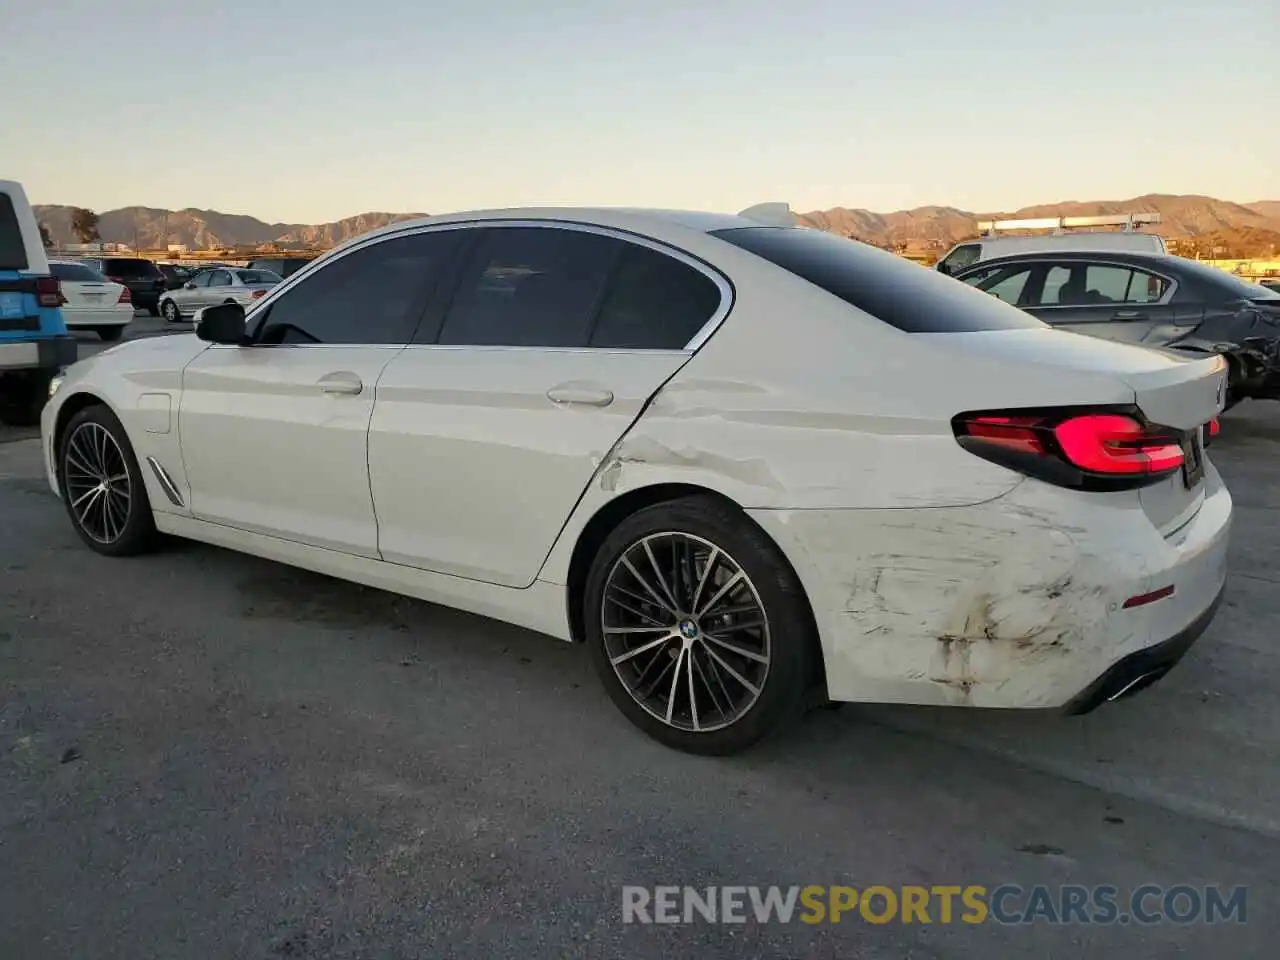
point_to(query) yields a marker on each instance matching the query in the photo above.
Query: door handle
(581, 393)
(1126, 315)
(347, 384)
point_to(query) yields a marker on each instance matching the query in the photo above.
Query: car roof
(637, 219)
(1130, 257)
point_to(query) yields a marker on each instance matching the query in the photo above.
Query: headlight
(55, 383)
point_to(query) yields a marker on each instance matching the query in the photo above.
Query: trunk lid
(1176, 390)
(90, 295)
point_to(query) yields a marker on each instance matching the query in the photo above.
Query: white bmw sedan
(743, 462)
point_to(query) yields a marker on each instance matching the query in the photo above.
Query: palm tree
(45, 237)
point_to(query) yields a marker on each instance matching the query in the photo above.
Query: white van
(990, 245)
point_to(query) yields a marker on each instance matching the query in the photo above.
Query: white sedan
(90, 301)
(743, 462)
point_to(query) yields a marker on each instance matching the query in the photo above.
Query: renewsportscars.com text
(972, 904)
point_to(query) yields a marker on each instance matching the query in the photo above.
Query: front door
(275, 434)
(486, 434)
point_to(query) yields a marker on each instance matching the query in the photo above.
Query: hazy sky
(312, 110)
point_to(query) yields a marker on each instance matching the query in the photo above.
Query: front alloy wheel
(698, 626)
(101, 485)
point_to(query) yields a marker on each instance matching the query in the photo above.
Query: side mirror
(188, 285)
(221, 324)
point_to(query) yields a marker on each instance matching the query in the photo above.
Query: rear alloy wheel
(170, 311)
(698, 627)
(109, 334)
(102, 486)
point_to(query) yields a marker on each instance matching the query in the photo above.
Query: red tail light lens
(257, 295)
(1116, 444)
(125, 296)
(49, 292)
(1215, 427)
(1086, 449)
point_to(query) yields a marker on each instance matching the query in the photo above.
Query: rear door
(28, 297)
(487, 430)
(1113, 301)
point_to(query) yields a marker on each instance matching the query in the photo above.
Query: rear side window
(369, 296)
(13, 252)
(131, 268)
(76, 273)
(892, 289)
(530, 287)
(654, 302)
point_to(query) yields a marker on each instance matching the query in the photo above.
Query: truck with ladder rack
(1001, 238)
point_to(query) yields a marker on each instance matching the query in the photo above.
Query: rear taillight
(1211, 430)
(257, 295)
(125, 296)
(1098, 450)
(49, 292)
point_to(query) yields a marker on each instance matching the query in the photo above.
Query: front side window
(202, 279)
(1007, 283)
(960, 258)
(220, 279)
(372, 295)
(654, 302)
(530, 287)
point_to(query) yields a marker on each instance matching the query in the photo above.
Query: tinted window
(890, 288)
(530, 287)
(1003, 283)
(370, 295)
(201, 279)
(654, 302)
(76, 273)
(1098, 284)
(961, 257)
(220, 279)
(258, 276)
(13, 252)
(131, 268)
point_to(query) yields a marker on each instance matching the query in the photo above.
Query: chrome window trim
(704, 333)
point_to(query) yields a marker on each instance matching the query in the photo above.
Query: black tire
(137, 533)
(23, 394)
(110, 334)
(154, 309)
(171, 312)
(788, 636)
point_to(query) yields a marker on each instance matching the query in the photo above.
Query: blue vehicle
(34, 343)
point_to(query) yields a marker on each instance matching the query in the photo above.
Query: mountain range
(1204, 219)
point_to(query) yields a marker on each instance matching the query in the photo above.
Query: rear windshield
(1238, 286)
(130, 267)
(890, 288)
(76, 273)
(258, 276)
(13, 252)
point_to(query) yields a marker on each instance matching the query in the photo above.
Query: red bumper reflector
(1142, 599)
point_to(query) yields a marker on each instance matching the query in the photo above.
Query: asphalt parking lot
(207, 755)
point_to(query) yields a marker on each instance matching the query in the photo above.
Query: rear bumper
(96, 318)
(46, 353)
(1014, 603)
(1139, 670)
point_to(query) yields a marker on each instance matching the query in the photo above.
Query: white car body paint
(935, 576)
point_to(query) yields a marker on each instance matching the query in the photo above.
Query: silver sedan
(210, 287)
